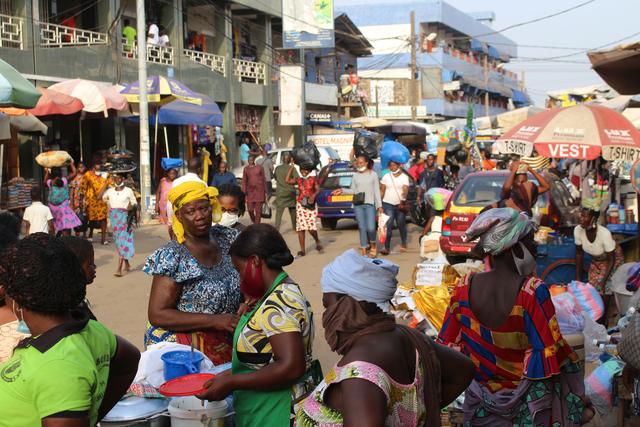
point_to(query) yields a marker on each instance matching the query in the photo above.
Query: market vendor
(518, 192)
(272, 344)
(195, 293)
(597, 241)
(504, 320)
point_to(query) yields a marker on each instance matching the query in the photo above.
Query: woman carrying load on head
(504, 319)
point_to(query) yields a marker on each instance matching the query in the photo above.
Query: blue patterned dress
(214, 290)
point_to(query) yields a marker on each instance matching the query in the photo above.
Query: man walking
(285, 192)
(253, 186)
(267, 165)
(431, 177)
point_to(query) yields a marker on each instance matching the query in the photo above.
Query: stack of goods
(307, 156)
(16, 194)
(366, 143)
(53, 159)
(120, 161)
(455, 155)
(393, 151)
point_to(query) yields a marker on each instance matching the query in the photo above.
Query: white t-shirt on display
(120, 199)
(393, 195)
(153, 35)
(38, 216)
(163, 41)
(603, 243)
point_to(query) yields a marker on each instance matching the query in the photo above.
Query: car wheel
(329, 223)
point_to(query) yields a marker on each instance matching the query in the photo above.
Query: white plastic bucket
(189, 412)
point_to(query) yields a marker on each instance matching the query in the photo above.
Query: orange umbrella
(53, 102)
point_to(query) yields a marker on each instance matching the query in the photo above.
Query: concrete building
(451, 50)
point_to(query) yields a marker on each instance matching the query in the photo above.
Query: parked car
(333, 208)
(326, 154)
(555, 208)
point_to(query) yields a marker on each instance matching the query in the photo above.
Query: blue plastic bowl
(180, 363)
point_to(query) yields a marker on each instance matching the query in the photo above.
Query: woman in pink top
(161, 195)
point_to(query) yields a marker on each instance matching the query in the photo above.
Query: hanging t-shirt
(393, 187)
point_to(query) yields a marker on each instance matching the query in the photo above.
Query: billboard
(291, 95)
(307, 24)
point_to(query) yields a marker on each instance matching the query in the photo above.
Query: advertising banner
(307, 24)
(291, 95)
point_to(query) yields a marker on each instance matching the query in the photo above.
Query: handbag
(307, 204)
(403, 206)
(629, 347)
(358, 199)
(266, 210)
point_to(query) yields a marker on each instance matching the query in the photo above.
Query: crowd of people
(223, 289)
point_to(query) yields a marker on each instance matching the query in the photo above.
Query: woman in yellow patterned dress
(91, 187)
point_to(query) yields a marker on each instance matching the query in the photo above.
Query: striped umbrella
(15, 90)
(581, 132)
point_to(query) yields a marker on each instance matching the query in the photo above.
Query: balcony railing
(249, 71)
(215, 62)
(11, 31)
(156, 54)
(52, 35)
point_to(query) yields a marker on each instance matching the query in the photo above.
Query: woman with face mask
(272, 345)
(306, 209)
(389, 375)
(195, 293)
(365, 187)
(504, 319)
(232, 206)
(121, 199)
(394, 188)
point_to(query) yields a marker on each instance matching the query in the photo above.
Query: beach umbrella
(15, 90)
(96, 97)
(53, 102)
(581, 132)
(161, 90)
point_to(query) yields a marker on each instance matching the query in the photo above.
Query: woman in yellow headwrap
(195, 294)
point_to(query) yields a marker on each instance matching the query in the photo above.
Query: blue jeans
(366, 217)
(395, 214)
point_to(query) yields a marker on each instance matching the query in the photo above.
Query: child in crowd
(37, 216)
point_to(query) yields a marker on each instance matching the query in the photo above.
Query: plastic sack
(53, 159)
(393, 151)
(588, 298)
(499, 229)
(592, 332)
(432, 303)
(633, 280)
(438, 198)
(568, 314)
(598, 386)
(168, 163)
(382, 228)
(366, 143)
(307, 156)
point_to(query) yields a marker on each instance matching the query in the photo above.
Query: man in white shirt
(37, 217)
(153, 35)
(163, 40)
(394, 187)
(194, 170)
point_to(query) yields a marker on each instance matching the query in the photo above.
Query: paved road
(121, 303)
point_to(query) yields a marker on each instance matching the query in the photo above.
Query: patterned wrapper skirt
(64, 218)
(306, 219)
(123, 237)
(598, 270)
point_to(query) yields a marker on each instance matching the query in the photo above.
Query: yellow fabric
(206, 162)
(432, 302)
(187, 193)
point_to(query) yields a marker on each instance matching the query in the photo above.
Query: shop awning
(185, 113)
(478, 46)
(494, 53)
(519, 97)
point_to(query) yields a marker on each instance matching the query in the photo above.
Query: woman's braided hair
(42, 275)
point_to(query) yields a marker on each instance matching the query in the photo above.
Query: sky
(591, 26)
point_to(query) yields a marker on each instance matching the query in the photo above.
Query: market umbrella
(180, 112)
(15, 90)
(96, 97)
(161, 90)
(619, 67)
(406, 128)
(53, 102)
(581, 132)
(24, 123)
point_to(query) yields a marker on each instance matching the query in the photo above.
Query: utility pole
(414, 68)
(145, 163)
(486, 85)
(377, 100)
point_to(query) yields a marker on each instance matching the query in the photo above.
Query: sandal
(384, 252)
(364, 251)
(403, 249)
(319, 248)
(118, 274)
(301, 253)
(373, 252)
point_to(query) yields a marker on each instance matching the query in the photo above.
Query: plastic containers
(180, 363)
(192, 412)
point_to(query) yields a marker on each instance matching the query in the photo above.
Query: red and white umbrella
(581, 132)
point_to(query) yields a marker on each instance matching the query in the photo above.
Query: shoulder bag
(403, 206)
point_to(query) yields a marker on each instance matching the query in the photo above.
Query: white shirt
(152, 35)
(187, 177)
(392, 195)
(603, 243)
(120, 199)
(38, 216)
(163, 41)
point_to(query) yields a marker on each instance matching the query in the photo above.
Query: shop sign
(341, 142)
(307, 24)
(320, 117)
(397, 111)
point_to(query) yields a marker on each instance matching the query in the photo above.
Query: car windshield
(480, 190)
(338, 178)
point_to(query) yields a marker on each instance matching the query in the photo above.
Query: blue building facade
(460, 58)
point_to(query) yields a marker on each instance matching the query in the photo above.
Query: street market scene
(328, 213)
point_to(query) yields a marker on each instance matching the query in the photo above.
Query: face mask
(252, 284)
(120, 185)
(362, 169)
(23, 328)
(525, 265)
(228, 219)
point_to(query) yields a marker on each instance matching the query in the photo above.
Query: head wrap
(499, 229)
(189, 192)
(593, 204)
(364, 279)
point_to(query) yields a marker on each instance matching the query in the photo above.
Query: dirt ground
(121, 303)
